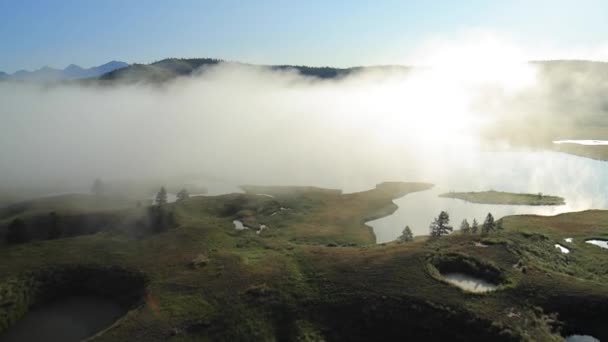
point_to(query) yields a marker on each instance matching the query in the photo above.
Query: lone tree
(406, 235)
(182, 195)
(98, 188)
(54, 228)
(161, 197)
(488, 225)
(474, 227)
(159, 217)
(439, 226)
(17, 232)
(465, 228)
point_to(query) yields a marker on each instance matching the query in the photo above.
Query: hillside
(315, 274)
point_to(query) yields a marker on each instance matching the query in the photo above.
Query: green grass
(499, 197)
(286, 283)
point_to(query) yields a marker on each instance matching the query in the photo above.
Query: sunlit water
(581, 338)
(238, 225)
(599, 243)
(68, 319)
(582, 142)
(562, 249)
(582, 182)
(469, 283)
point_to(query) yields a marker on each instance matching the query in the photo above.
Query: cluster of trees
(159, 216)
(52, 227)
(18, 231)
(440, 226)
(488, 226)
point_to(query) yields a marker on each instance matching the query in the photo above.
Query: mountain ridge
(170, 68)
(71, 72)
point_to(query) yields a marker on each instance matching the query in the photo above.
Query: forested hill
(171, 68)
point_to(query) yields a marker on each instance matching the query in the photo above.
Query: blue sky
(313, 32)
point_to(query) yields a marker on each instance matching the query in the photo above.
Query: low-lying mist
(251, 125)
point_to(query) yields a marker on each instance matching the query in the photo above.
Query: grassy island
(499, 197)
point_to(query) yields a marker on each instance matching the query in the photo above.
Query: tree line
(440, 227)
(159, 218)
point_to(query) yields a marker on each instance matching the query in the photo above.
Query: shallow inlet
(582, 142)
(512, 171)
(65, 319)
(599, 243)
(562, 249)
(469, 283)
(238, 225)
(581, 338)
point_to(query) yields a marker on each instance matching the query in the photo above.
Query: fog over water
(235, 124)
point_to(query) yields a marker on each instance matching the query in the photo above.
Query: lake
(582, 182)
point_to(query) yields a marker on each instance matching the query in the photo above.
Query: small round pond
(66, 319)
(469, 283)
(466, 273)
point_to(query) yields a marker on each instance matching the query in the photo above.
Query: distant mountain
(171, 68)
(3, 75)
(72, 72)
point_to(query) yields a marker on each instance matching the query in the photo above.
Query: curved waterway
(582, 182)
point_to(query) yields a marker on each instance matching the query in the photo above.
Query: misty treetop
(161, 197)
(98, 188)
(474, 227)
(182, 195)
(406, 235)
(488, 225)
(439, 226)
(465, 228)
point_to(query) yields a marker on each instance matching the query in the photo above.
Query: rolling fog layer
(248, 125)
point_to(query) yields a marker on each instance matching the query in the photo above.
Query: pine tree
(488, 225)
(98, 188)
(182, 195)
(54, 228)
(464, 227)
(474, 227)
(406, 235)
(161, 197)
(439, 226)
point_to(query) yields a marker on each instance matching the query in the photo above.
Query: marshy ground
(313, 273)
